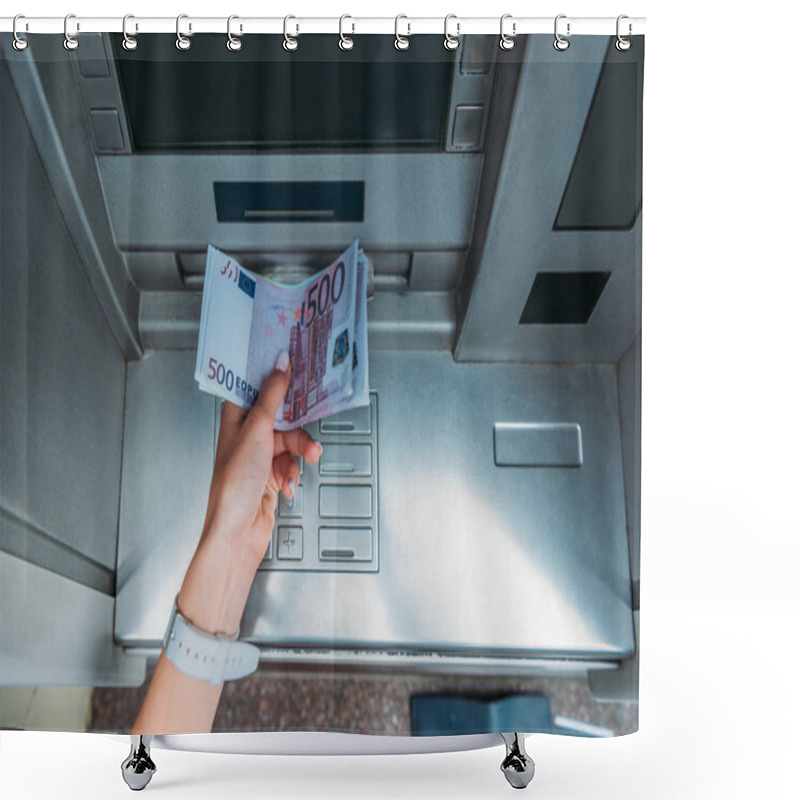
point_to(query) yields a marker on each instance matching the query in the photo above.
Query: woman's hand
(254, 463)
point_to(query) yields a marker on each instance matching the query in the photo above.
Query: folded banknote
(248, 320)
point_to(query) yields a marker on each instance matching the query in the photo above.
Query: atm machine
(480, 516)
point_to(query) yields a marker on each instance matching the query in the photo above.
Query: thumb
(272, 393)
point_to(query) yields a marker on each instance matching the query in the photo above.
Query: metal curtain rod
(456, 26)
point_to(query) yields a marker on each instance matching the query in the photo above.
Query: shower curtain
(460, 557)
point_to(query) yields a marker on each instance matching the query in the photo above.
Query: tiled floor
(353, 702)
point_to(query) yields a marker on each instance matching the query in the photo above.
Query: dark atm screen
(264, 98)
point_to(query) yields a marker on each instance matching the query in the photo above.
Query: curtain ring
(451, 42)
(288, 42)
(346, 42)
(233, 44)
(128, 42)
(507, 42)
(623, 44)
(19, 43)
(70, 42)
(560, 42)
(400, 42)
(182, 43)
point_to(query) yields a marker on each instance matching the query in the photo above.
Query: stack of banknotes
(248, 320)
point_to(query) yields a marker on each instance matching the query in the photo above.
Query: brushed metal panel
(537, 444)
(57, 632)
(62, 375)
(462, 536)
(353, 421)
(345, 544)
(458, 534)
(345, 501)
(350, 460)
(167, 462)
(395, 219)
(513, 238)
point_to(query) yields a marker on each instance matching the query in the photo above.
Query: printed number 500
(218, 372)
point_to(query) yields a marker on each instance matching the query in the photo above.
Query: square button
(291, 506)
(290, 543)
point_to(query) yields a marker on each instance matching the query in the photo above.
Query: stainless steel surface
(427, 662)
(49, 98)
(407, 320)
(538, 444)
(454, 526)
(138, 768)
(514, 236)
(393, 219)
(62, 376)
(168, 453)
(57, 632)
(517, 766)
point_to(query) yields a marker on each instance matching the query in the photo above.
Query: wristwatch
(208, 656)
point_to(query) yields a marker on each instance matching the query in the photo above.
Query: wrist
(216, 586)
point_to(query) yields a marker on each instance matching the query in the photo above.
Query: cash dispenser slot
(289, 201)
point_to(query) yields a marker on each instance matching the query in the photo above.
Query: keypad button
(345, 501)
(290, 543)
(291, 506)
(346, 460)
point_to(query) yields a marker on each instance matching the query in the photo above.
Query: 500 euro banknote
(248, 320)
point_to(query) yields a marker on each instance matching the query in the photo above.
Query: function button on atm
(293, 506)
(345, 501)
(290, 543)
(357, 421)
(345, 544)
(268, 555)
(346, 459)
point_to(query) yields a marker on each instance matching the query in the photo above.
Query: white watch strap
(207, 656)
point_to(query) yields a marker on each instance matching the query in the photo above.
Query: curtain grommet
(346, 42)
(182, 42)
(233, 44)
(622, 44)
(401, 42)
(507, 42)
(19, 44)
(290, 44)
(128, 42)
(560, 43)
(70, 42)
(451, 42)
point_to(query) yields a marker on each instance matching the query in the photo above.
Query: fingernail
(282, 363)
(319, 446)
(291, 485)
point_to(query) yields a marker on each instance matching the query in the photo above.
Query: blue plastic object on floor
(442, 714)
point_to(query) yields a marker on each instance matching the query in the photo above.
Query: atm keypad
(331, 522)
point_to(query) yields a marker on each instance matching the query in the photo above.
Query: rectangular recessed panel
(346, 460)
(604, 190)
(345, 544)
(467, 127)
(289, 201)
(267, 99)
(538, 444)
(92, 60)
(563, 298)
(345, 502)
(107, 129)
(354, 420)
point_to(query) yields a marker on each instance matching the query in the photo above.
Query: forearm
(212, 598)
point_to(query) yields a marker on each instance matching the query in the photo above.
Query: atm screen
(263, 98)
